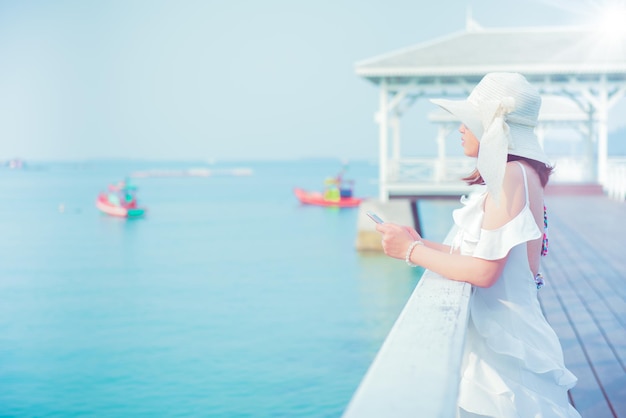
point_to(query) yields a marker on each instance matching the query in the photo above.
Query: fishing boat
(120, 200)
(338, 192)
(321, 199)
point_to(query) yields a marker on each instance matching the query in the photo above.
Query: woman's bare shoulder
(512, 198)
(516, 171)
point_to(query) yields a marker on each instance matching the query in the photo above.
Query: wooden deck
(585, 297)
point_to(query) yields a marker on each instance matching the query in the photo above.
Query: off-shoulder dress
(513, 361)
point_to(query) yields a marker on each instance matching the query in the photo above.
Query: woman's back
(522, 190)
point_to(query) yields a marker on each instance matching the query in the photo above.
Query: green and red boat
(120, 200)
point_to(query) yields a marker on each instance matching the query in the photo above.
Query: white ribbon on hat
(494, 144)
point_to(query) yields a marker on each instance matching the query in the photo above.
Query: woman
(513, 361)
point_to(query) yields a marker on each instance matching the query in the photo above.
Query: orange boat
(318, 199)
(337, 193)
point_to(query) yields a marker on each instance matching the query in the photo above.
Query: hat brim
(465, 112)
(525, 140)
(526, 144)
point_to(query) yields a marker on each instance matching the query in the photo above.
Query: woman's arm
(462, 268)
(430, 244)
(436, 246)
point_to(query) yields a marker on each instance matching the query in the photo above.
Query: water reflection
(385, 285)
(436, 217)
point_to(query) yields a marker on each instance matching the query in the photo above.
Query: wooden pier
(585, 297)
(415, 373)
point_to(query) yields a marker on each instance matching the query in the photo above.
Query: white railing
(572, 170)
(416, 373)
(426, 177)
(432, 170)
(615, 186)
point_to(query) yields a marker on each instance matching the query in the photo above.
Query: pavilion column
(602, 110)
(590, 162)
(383, 122)
(440, 172)
(395, 129)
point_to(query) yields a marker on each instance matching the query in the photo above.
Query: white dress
(513, 361)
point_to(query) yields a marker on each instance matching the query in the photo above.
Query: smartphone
(375, 217)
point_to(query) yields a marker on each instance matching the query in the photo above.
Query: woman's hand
(413, 233)
(396, 239)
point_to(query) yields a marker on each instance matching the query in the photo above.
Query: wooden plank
(587, 395)
(600, 350)
(605, 306)
(598, 221)
(601, 289)
(585, 299)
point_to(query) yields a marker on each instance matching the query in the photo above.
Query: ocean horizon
(228, 299)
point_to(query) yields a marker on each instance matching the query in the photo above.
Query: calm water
(229, 299)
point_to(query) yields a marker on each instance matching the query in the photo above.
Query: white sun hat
(502, 113)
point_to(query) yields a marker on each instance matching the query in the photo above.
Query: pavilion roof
(476, 51)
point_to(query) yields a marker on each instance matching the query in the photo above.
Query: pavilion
(580, 72)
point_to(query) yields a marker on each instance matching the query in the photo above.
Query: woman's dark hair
(543, 170)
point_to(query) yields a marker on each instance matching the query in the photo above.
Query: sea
(228, 299)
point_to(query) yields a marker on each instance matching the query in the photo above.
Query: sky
(218, 79)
